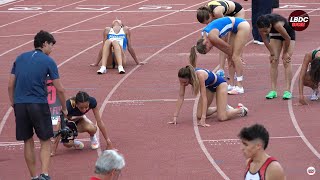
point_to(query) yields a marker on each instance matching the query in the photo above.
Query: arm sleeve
(53, 70)
(93, 103)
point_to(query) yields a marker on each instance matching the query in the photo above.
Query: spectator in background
(258, 8)
(108, 166)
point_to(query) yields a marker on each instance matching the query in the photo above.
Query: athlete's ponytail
(201, 48)
(193, 56)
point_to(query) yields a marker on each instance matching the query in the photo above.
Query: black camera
(68, 130)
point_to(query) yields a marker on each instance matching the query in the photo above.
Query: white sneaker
(314, 95)
(78, 144)
(236, 90)
(230, 87)
(94, 142)
(102, 70)
(121, 70)
(244, 110)
(258, 42)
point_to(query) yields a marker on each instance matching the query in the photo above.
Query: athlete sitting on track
(212, 33)
(260, 165)
(208, 84)
(282, 37)
(310, 75)
(116, 39)
(77, 107)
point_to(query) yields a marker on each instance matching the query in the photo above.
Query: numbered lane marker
(155, 7)
(291, 7)
(93, 8)
(21, 8)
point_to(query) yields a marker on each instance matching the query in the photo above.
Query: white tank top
(260, 175)
(120, 37)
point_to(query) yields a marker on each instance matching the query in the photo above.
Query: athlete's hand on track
(302, 101)
(202, 123)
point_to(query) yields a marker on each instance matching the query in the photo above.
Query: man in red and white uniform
(260, 166)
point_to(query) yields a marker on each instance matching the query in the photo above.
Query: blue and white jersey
(211, 78)
(224, 25)
(120, 37)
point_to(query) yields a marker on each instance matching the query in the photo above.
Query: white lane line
(4, 119)
(294, 120)
(105, 102)
(149, 100)
(200, 141)
(89, 30)
(276, 137)
(39, 14)
(33, 5)
(12, 49)
(4, 3)
(198, 136)
(130, 11)
(17, 143)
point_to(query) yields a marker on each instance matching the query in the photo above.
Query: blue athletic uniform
(224, 25)
(121, 37)
(209, 82)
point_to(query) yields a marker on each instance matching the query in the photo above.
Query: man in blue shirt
(28, 95)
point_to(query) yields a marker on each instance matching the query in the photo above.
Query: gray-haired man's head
(108, 161)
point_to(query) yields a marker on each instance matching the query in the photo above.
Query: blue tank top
(211, 78)
(224, 25)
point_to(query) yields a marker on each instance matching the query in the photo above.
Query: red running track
(136, 106)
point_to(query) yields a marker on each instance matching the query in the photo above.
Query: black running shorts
(33, 116)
